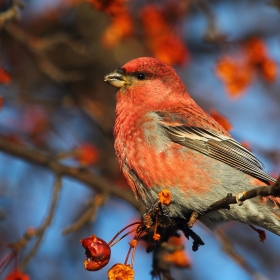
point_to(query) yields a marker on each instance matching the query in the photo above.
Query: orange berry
(121, 271)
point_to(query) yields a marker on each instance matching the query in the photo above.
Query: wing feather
(220, 147)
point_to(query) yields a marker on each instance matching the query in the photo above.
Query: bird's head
(146, 79)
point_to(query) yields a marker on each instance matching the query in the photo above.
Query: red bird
(164, 140)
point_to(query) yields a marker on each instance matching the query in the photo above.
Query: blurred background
(55, 108)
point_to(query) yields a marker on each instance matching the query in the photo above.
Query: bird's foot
(240, 198)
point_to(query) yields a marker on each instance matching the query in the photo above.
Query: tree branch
(93, 181)
(273, 190)
(224, 203)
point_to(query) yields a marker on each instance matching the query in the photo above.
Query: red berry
(98, 253)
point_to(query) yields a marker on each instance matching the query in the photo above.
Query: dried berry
(97, 252)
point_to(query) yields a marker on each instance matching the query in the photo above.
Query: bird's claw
(240, 196)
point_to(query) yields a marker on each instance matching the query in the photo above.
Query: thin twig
(89, 215)
(229, 249)
(21, 243)
(41, 230)
(39, 47)
(212, 34)
(11, 13)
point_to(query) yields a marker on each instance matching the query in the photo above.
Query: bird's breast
(136, 136)
(143, 145)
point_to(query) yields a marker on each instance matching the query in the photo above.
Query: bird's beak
(116, 78)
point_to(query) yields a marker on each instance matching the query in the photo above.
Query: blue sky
(253, 116)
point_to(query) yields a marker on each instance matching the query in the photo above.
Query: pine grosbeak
(164, 140)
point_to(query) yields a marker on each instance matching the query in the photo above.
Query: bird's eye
(140, 76)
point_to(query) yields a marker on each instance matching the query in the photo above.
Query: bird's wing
(217, 146)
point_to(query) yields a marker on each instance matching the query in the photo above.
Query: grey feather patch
(220, 147)
(154, 133)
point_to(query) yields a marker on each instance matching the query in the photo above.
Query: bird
(165, 141)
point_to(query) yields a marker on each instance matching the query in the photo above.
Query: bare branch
(229, 249)
(212, 33)
(11, 13)
(41, 231)
(273, 190)
(95, 182)
(39, 47)
(224, 203)
(89, 215)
